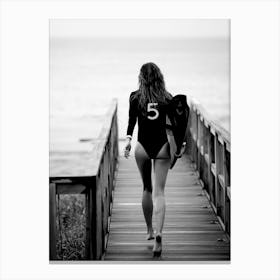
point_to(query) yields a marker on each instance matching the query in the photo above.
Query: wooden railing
(91, 173)
(209, 147)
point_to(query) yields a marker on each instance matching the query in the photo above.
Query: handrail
(209, 147)
(90, 172)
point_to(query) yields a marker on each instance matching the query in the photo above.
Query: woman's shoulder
(168, 96)
(134, 94)
(133, 99)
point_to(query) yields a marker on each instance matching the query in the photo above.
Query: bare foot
(157, 246)
(150, 235)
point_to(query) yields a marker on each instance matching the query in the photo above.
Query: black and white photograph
(140, 140)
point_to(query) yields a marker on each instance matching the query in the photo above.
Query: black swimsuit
(151, 126)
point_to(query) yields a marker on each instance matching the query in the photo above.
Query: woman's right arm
(132, 118)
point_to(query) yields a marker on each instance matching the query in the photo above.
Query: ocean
(86, 73)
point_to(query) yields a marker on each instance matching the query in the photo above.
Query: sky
(172, 28)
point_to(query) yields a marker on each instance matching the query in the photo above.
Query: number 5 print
(150, 109)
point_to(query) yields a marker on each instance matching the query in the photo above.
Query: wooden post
(220, 185)
(207, 159)
(212, 159)
(90, 227)
(204, 153)
(52, 221)
(92, 220)
(98, 218)
(199, 145)
(193, 134)
(227, 188)
(88, 224)
(196, 137)
(217, 204)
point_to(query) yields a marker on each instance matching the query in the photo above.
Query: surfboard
(176, 125)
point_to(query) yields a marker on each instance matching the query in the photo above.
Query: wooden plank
(92, 221)
(165, 257)
(176, 237)
(188, 227)
(174, 250)
(70, 189)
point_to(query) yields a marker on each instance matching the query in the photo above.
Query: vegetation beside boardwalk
(71, 227)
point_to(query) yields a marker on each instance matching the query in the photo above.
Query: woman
(148, 105)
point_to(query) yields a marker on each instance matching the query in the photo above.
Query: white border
(254, 127)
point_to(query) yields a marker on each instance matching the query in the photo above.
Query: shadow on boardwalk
(191, 230)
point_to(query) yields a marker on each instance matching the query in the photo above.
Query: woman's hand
(182, 151)
(127, 147)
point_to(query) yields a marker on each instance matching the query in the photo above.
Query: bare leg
(161, 167)
(161, 170)
(145, 167)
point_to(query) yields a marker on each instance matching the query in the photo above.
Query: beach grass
(71, 227)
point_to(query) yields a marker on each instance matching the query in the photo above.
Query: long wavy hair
(151, 86)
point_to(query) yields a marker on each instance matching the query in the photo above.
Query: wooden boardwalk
(191, 230)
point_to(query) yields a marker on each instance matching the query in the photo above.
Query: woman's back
(151, 123)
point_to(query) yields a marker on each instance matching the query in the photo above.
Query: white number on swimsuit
(150, 109)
